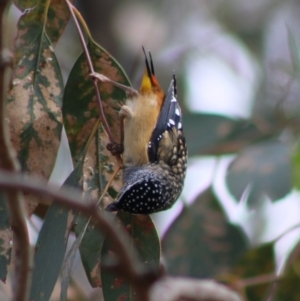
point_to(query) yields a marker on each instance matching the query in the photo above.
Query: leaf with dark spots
(201, 242)
(30, 26)
(265, 168)
(5, 238)
(80, 109)
(145, 241)
(35, 16)
(34, 110)
(215, 135)
(57, 19)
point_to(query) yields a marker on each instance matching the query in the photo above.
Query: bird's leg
(125, 112)
(115, 148)
(118, 148)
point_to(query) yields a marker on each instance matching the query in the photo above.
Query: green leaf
(144, 239)
(35, 98)
(201, 242)
(51, 244)
(265, 168)
(215, 135)
(252, 272)
(5, 237)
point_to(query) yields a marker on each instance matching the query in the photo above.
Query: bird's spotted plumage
(144, 191)
(155, 185)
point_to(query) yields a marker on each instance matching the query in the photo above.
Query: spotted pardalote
(155, 152)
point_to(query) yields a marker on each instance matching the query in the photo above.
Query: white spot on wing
(177, 112)
(173, 99)
(171, 121)
(179, 125)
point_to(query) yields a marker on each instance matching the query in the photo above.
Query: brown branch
(127, 260)
(185, 289)
(148, 285)
(8, 161)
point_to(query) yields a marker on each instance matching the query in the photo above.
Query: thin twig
(91, 70)
(8, 161)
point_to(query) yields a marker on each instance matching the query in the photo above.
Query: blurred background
(238, 69)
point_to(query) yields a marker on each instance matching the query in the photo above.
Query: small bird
(155, 152)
